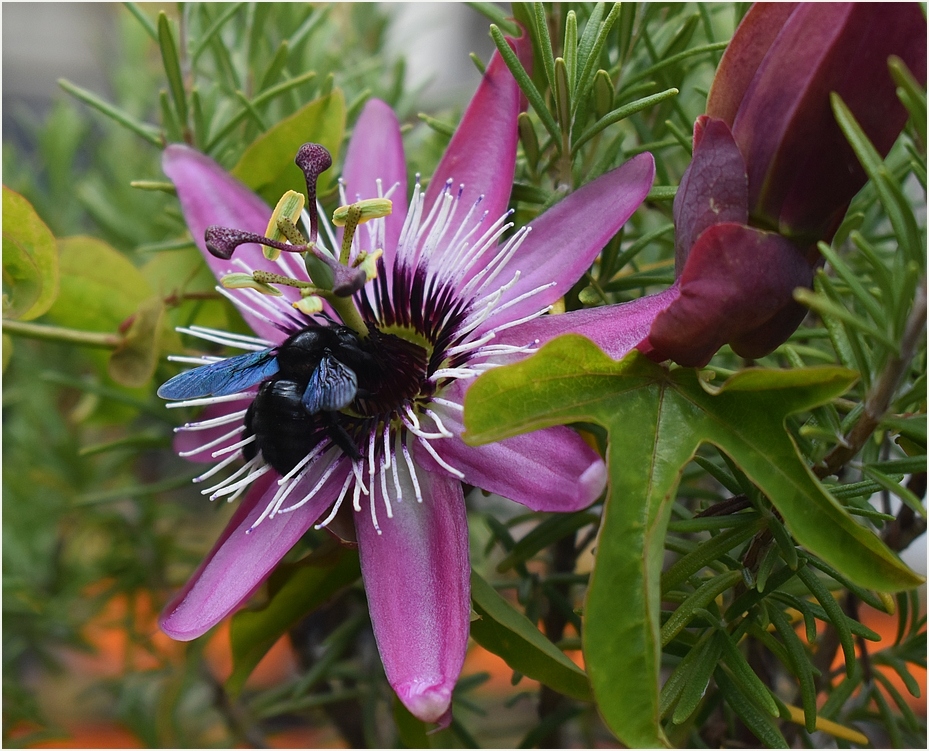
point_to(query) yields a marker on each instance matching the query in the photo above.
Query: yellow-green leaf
(267, 166)
(30, 260)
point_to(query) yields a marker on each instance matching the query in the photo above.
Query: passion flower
(355, 414)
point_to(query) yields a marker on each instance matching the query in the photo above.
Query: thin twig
(877, 402)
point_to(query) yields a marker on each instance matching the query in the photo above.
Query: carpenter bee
(304, 381)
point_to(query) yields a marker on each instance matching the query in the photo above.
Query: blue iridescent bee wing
(222, 378)
(332, 386)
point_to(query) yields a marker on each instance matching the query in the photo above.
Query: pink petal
(616, 329)
(240, 561)
(546, 470)
(482, 153)
(376, 152)
(566, 239)
(192, 440)
(210, 195)
(417, 578)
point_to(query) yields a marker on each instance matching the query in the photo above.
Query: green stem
(61, 334)
(346, 310)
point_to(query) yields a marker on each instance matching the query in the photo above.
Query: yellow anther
(362, 211)
(368, 263)
(288, 208)
(311, 305)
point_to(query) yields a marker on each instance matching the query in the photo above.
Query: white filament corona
(454, 252)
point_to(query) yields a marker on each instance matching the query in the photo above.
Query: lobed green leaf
(656, 420)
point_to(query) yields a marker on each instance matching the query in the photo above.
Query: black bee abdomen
(284, 432)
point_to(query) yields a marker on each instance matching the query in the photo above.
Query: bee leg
(341, 438)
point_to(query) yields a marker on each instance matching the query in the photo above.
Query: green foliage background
(715, 603)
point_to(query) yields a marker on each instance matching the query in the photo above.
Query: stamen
(372, 504)
(520, 298)
(197, 330)
(245, 468)
(448, 403)
(439, 460)
(234, 446)
(275, 503)
(215, 468)
(443, 431)
(412, 469)
(212, 443)
(316, 488)
(206, 400)
(524, 319)
(310, 457)
(497, 264)
(243, 305)
(337, 505)
(202, 360)
(212, 423)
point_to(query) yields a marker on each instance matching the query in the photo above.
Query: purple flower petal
(376, 152)
(417, 578)
(767, 337)
(802, 172)
(736, 279)
(546, 470)
(755, 35)
(566, 239)
(210, 195)
(616, 329)
(240, 560)
(482, 153)
(714, 188)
